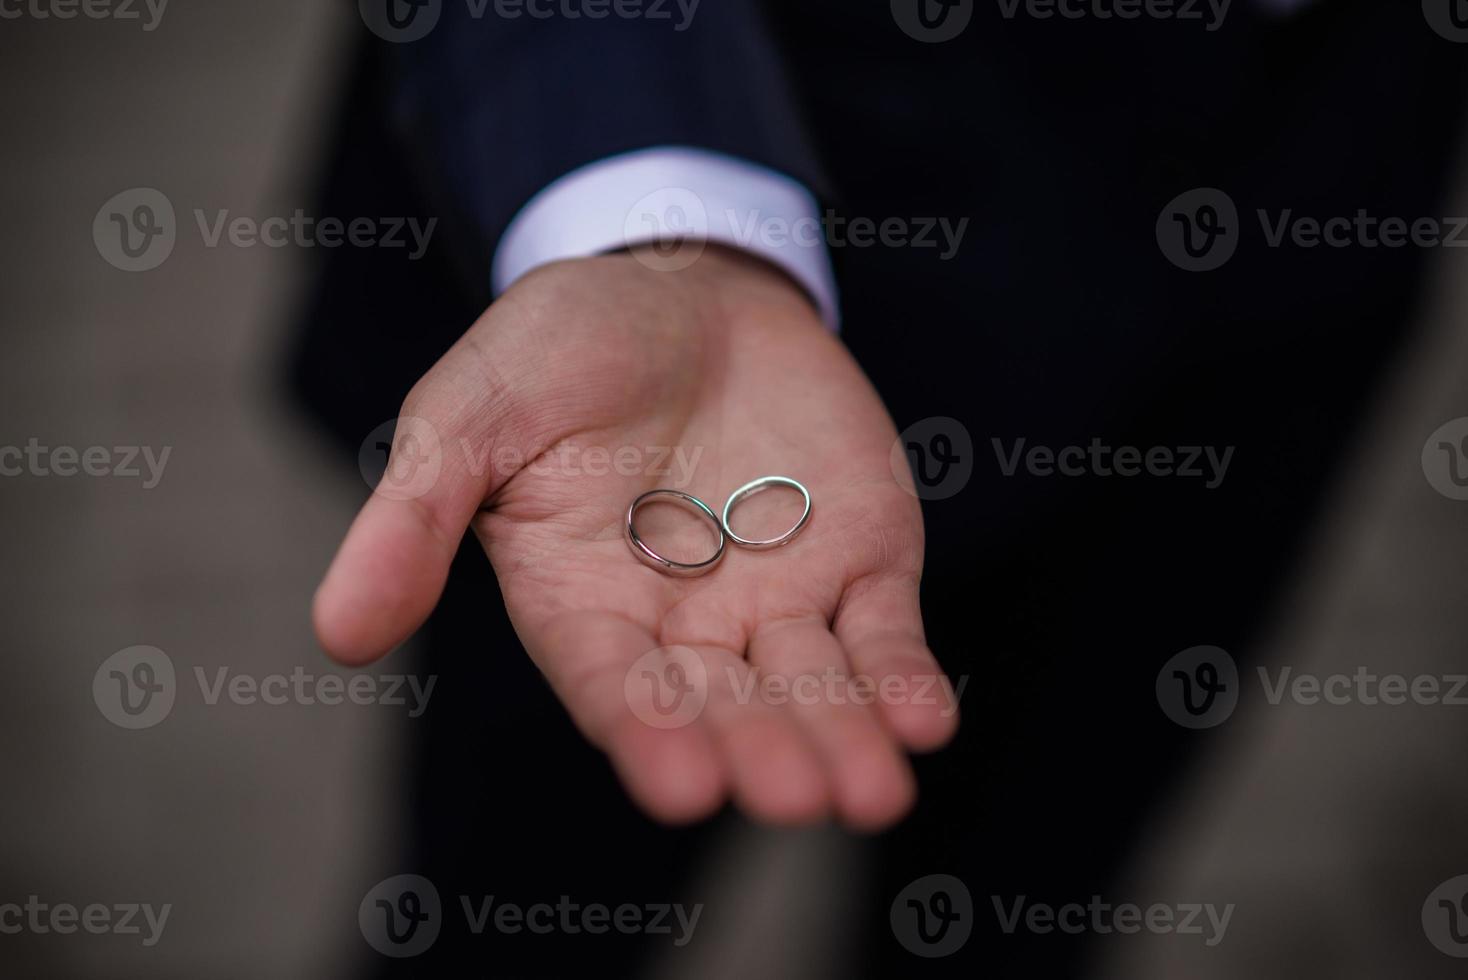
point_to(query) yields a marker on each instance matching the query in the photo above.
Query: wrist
(723, 292)
(738, 281)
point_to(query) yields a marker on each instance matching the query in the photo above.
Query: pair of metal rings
(641, 549)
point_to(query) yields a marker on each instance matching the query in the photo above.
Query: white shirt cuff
(673, 194)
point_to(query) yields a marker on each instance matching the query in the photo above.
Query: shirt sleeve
(671, 194)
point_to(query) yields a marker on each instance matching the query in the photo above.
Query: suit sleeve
(497, 100)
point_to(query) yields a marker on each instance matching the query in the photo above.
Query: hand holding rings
(646, 554)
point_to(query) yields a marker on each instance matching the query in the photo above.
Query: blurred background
(262, 826)
(247, 818)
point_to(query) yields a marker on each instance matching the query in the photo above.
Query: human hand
(727, 361)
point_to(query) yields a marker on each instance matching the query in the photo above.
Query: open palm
(799, 674)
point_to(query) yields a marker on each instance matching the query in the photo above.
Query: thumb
(390, 569)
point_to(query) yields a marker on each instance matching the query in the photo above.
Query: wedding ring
(756, 486)
(668, 565)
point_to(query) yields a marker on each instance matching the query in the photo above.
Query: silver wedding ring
(754, 487)
(668, 565)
